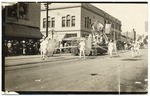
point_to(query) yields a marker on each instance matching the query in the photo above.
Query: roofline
(116, 20)
(83, 6)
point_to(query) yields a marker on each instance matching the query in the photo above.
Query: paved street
(68, 73)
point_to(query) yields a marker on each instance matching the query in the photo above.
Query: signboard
(107, 28)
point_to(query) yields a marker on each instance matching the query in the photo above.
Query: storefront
(20, 40)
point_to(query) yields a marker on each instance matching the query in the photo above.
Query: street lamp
(47, 7)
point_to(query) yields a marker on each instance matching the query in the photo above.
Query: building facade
(21, 28)
(75, 19)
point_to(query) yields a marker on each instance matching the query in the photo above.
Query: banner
(107, 28)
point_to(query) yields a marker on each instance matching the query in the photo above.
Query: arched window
(68, 21)
(63, 21)
(73, 21)
(53, 22)
(44, 22)
(49, 22)
(23, 8)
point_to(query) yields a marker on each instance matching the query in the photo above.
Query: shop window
(73, 21)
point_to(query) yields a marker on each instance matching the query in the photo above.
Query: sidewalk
(30, 59)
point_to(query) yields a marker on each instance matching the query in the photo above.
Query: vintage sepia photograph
(74, 47)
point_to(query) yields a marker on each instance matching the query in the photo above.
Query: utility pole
(47, 20)
(47, 7)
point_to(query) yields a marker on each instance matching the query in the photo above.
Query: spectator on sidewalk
(9, 46)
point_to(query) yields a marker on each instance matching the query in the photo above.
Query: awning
(15, 30)
(73, 39)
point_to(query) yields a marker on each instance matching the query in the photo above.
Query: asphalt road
(96, 73)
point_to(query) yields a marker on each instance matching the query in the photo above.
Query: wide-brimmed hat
(9, 41)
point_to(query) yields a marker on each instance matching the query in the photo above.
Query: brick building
(75, 19)
(21, 28)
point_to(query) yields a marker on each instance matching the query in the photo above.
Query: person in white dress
(110, 48)
(82, 48)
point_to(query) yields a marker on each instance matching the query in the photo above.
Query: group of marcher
(112, 48)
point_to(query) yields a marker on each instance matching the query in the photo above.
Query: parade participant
(82, 48)
(135, 48)
(110, 47)
(125, 46)
(132, 48)
(43, 47)
(43, 38)
(60, 47)
(115, 47)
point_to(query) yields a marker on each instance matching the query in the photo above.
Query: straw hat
(9, 41)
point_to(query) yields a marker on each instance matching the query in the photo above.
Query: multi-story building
(75, 19)
(21, 28)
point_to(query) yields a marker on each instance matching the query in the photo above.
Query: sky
(132, 16)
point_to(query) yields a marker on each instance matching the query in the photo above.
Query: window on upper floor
(108, 22)
(19, 10)
(73, 21)
(23, 11)
(12, 11)
(116, 26)
(53, 22)
(85, 22)
(63, 21)
(44, 22)
(90, 23)
(68, 21)
(119, 27)
(112, 26)
(49, 22)
(105, 21)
